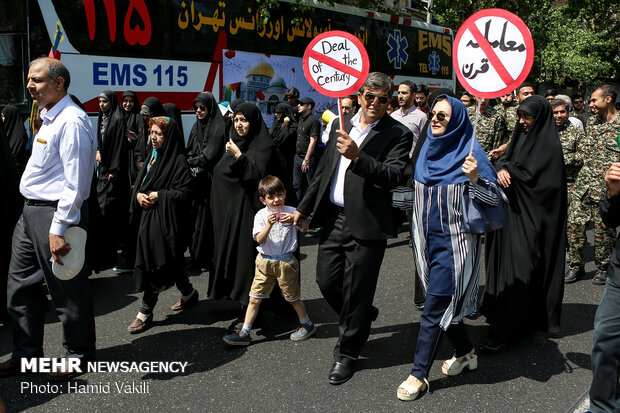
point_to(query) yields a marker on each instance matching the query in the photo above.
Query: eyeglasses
(441, 116)
(369, 97)
(200, 107)
(277, 112)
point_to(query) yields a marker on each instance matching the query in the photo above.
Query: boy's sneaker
(238, 338)
(303, 332)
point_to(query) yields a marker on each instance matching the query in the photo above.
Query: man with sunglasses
(350, 199)
(579, 109)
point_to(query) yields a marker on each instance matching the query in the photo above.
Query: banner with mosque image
(262, 79)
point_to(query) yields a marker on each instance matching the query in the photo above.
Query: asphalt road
(275, 374)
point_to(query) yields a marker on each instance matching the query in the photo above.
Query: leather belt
(38, 202)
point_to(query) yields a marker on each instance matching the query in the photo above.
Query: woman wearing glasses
(525, 259)
(448, 259)
(204, 150)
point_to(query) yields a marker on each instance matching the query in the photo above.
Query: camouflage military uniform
(571, 139)
(510, 114)
(491, 131)
(599, 152)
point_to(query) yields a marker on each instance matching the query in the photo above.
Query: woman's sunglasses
(200, 107)
(440, 116)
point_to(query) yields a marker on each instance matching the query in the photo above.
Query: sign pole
(473, 136)
(340, 113)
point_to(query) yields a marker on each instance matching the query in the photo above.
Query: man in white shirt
(55, 184)
(408, 114)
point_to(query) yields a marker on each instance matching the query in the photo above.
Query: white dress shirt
(576, 123)
(62, 163)
(414, 119)
(358, 135)
(282, 238)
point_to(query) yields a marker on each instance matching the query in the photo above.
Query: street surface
(276, 375)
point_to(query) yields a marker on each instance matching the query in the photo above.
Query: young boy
(277, 239)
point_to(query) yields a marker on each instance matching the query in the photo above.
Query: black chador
(204, 150)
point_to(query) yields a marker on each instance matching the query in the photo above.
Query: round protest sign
(494, 53)
(336, 63)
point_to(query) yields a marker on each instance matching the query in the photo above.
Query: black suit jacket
(367, 198)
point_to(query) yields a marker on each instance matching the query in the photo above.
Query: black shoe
(492, 344)
(11, 367)
(419, 307)
(572, 275)
(341, 371)
(600, 278)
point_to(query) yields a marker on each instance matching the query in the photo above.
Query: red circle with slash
(509, 82)
(359, 71)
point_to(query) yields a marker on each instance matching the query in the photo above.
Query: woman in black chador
(204, 150)
(133, 121)
(17, 136)
(284, 134)
(109, 207)
(160, 201)
(234, 202)
(525, 259)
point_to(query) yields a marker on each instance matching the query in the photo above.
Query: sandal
(413, 392)
(455, 367)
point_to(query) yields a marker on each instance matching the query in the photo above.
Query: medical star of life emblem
(433, 62)
(397, 53)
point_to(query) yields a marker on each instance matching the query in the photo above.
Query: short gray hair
(566, 99)
(378, 80)
(55, 69)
